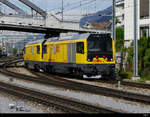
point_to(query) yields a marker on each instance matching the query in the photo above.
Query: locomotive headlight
(111, 59)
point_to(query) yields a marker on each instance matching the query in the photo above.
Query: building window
(38, 49)
(80, 47)
(144, 31)
(45, 49)
(123, 17)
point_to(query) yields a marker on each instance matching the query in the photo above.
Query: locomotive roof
(72, 37)
(35, 42)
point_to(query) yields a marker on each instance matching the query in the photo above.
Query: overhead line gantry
(14, 7)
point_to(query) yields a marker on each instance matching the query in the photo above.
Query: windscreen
(103, 45)
(99, 45)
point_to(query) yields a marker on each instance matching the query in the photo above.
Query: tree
(14, 51)
(143, 56)
(119, 38)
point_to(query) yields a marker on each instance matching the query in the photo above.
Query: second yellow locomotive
(87, 55)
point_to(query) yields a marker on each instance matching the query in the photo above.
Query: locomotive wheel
(26, 65)
(48, 69)
(72, 70)
(36, 68)
(52, 70)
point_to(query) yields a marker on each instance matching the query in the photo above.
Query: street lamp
(62, 10)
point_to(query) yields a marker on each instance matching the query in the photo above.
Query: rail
(63, 103)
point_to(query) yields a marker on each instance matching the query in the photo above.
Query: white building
(120, 12)
(128, 20)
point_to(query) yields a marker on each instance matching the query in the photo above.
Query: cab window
(45, 49)
(38, 49)
(80, 47)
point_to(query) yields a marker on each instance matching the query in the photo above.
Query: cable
(66, 10)
(67, 5)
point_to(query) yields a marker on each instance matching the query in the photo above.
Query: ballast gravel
(95, 83)
(21, 71)
(119, 104)
(29, 107)
(113, 86)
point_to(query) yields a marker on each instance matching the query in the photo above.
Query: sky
(71, 7)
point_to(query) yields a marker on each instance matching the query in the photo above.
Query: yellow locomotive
(87, 55)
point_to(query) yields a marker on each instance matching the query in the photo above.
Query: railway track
(123, 82)
(55, 81)
(129, 83)
(67, 105)
(5, 60)
(96, 89)
(63, 103)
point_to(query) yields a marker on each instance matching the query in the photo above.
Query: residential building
(126, 7)
(120, 13)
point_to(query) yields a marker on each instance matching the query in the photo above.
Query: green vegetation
(143, 57)
(119, 39)
(125, 75)
(14, 51)
(144, 78)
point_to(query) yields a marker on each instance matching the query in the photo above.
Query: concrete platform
(135, 78)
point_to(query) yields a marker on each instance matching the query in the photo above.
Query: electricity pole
(135, 58)
(62, 10)
(114, 34)
(114, 21)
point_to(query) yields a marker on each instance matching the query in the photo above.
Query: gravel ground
(114, 86)
(30, 107)
(21, 71)
(120, 104)
(96, 83)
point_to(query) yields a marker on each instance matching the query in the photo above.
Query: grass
(144, 78)
(128, 75)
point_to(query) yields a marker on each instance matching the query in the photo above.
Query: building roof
(101, 16)
(100, 25)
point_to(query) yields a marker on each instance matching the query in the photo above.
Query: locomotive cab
(100, 56)
(99, 46)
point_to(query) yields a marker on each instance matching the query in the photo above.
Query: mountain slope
(101, 16)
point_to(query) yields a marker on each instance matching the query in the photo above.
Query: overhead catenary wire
(80, 5)
(68, 5)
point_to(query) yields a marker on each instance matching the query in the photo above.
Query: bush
(14, 51)
(125, 75)
(119, 38)
(145, 78)
(143, 57)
